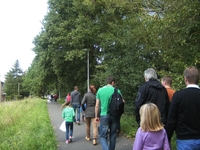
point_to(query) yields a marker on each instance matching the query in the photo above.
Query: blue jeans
(76, 107)
(193, 144)
(69, 129)
(108, 122)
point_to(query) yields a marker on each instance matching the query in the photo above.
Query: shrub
(8, 98)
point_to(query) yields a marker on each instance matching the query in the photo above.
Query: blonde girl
(68, 114)
(151, 133)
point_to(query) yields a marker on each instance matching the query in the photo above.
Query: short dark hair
(192, 75)
(109, 80)
(76, 88)
(167, 79)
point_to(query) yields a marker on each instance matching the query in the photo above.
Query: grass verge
(25, 124)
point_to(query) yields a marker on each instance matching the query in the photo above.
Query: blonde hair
(67, 103)
(150, 118)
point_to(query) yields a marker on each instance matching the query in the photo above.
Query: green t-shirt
(104, 94)
(68, 114)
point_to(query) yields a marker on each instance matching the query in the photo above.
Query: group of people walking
(52, 98)
(87, 105)
(95, 106)
(159, 111)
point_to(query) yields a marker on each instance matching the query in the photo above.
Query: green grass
(25, 124)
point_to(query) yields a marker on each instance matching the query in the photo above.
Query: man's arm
(167, 103)
(140, 100)
(97, 109)
(80, 97)
(172, 117)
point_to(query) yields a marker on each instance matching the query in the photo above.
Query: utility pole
(88, 67)
(88, 70)
(18, 88)
(59, 93)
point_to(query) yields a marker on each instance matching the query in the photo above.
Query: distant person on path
(167, 82)
(184, 113)
(151, 133)
(90, 100)
(55, 97)
(49, 97)
(68, 114)
(76, 104)
(106, 121)
(52, 98)
(152, 91)
(68, 97)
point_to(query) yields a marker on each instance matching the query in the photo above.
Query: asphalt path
(79, 133)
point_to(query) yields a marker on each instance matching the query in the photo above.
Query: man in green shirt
(107, 122)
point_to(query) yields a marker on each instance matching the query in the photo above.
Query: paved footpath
(79, 142)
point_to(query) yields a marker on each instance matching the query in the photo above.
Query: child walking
(68, 114)
(151, 133)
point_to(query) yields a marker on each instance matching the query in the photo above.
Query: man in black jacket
(184, 113)
(152, 91)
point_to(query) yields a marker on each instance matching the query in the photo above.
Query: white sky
(20, 22)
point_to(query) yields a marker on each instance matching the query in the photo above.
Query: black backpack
(116, 106)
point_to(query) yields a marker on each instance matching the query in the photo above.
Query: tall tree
(13, 80)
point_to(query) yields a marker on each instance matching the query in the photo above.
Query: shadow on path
(79, 142)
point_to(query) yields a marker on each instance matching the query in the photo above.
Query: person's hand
(97, 119)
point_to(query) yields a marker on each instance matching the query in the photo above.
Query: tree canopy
(14, 80)
(123, 38)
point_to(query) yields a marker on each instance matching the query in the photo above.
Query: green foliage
(123, 38)
(17, 97)
(128, 126)
(14, 80)
(27, 127)
(8, 98)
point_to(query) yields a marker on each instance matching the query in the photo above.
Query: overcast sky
(20, 22)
